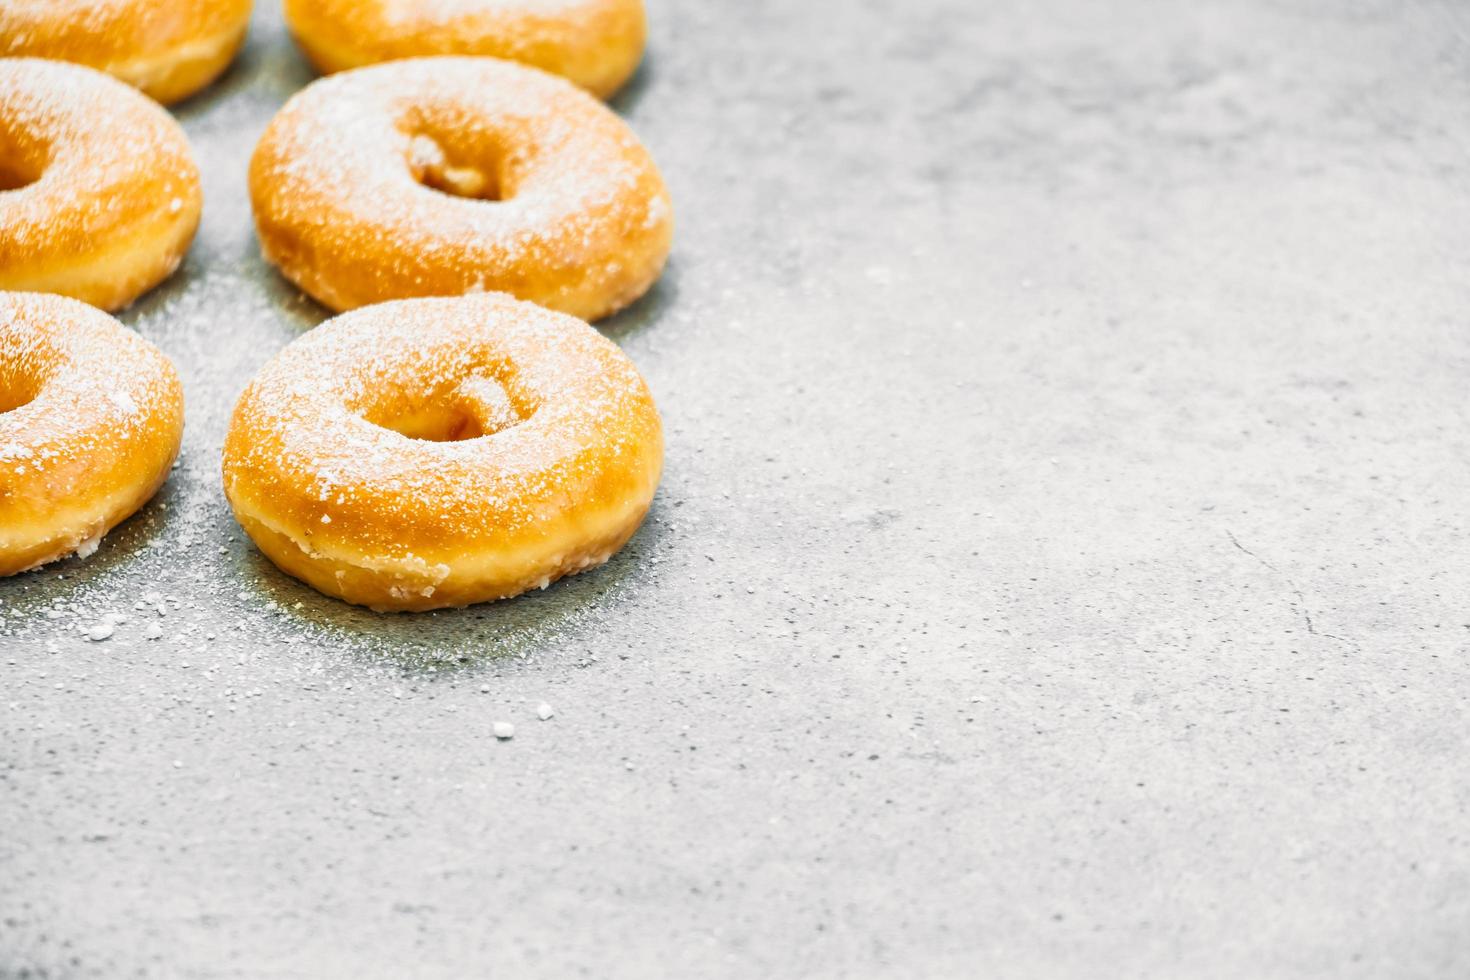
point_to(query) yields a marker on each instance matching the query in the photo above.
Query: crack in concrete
(1300, 606)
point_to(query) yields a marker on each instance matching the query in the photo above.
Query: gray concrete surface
(1060, 569)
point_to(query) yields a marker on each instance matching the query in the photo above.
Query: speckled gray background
(1061, 567)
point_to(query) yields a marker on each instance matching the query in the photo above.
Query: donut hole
(469, 168)
(477, 406)
(435, 423)
(23, 157)
(15, 174)
(12, 181)
(15, 392)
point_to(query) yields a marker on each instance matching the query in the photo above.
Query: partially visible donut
(99, 194)
(167, 48)
(91, 416)
(440, 452)
(442, 176)
(596, 44)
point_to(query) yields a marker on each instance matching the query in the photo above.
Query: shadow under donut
(118, 551)
(283, 295)
(464, 638)
(268, 63)
(625, 101)
(237, 76)
(647, 310)
(161, 295)
(288, 298)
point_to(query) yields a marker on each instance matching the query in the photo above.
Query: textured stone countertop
(1061, 566)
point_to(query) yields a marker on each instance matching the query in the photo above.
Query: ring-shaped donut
(443, 176)
(596, 44)
(439, 452)
(167, 48)
(99, 194)
(91, 416)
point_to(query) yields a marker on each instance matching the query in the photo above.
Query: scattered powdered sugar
(104, 628)
(100, 630)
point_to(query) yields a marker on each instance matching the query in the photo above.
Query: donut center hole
(472, 175)
(23, 158)
(14, 395)
(14, 176)
(477, 406)
(436, 423)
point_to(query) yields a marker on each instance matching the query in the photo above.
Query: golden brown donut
(99, 195)
(596, 44)
(438, 452)
(167, 48)
(90, 420)
(442, 176)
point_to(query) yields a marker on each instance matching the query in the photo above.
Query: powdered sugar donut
(596, 44)
(91, 416)
(439, 452)
(442, 176)
(99, 195)
(167, 48)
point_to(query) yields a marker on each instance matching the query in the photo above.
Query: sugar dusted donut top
(92, 169)
(596, 44)
(313, 431)
(139, 41)
(438, 452)
(75, 387)
(81, 132)
(578, 220)
(91, 416)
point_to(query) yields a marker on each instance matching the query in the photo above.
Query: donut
(596, 44)
(90, 420)
(438, 452)
(444, 176)
(99, 195)
(167, 48)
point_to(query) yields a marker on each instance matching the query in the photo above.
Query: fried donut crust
(444, 176)
(596, 44)
(167, 48)
(439, 452)
(99, 193)
(91, 416)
